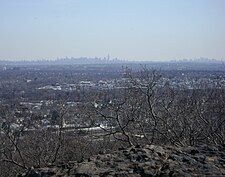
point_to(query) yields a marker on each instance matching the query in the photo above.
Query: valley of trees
(145, 109)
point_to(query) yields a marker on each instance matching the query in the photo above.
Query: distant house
(86, 84)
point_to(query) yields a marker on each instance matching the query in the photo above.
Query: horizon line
(109, 59)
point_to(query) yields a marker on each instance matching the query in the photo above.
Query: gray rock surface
(145, 161)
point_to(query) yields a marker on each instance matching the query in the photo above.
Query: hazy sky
(131, 29)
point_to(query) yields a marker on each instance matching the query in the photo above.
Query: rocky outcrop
(143, 161)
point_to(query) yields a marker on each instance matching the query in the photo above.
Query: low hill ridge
(144, 161)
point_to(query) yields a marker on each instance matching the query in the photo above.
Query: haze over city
(128, 29)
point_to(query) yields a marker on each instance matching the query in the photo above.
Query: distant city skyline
(126, 29)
